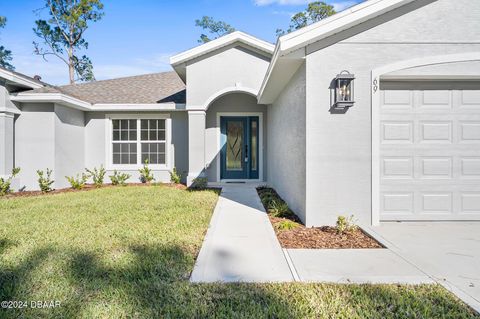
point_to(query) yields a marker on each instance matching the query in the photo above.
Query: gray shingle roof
(141, 89)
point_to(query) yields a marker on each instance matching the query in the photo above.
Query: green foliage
(98, 175)
(214, 28)
(278, 208)
(45, 181)
(199, 183)
(6, 183)
(77, 182)
(175, 177)
(62, 34)
(314, 12)
(286, 225)
(119, 178)
(5, 55)
(146, 175)
(346, 224)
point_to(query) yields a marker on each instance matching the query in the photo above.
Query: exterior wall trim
(260, 144)
(375, 97)
(218, 94)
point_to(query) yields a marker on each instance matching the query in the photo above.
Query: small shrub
(6, 183)
(146, 175)
(119, 178)
(278, 208)
(98, 175)
(346, 224)
(44, 180)
(286, 225)
(77, 182)
(175, 177)
(200, 183)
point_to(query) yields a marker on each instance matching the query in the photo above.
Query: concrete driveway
(449, 252)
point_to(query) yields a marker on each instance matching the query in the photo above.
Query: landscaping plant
(98, 175)
(175, 177)
(77, 182)
(6, 183)
(286, 225)
(146, 175)
(346, 224)
(45, 181)
(119, 178)
(200, 183)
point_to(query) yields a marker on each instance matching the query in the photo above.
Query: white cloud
(338, 5)
(281, 2)
(55, 72)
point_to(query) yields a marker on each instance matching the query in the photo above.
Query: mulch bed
(89, 187)
(325, 237)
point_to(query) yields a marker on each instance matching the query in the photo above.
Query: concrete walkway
(240, 244)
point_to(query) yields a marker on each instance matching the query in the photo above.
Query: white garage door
(429, 151)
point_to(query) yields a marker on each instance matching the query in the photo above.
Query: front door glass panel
(235, 145)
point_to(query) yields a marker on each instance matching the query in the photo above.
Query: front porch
(227, 141)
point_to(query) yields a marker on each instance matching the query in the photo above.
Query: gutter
(78, 104)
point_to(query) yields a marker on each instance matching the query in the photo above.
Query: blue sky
(137, 37)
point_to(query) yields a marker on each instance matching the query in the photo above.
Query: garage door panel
(430, 154)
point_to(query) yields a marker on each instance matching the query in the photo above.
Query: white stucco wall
(237, 103)
(338, 153)
(286, 147)
(34, 142)
(69, 144)
(229, 67)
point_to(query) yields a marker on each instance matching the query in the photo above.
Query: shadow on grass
(155, 284)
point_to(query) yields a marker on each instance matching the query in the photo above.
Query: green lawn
(127, 252)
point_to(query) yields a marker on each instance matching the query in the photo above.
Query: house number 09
(375, 85)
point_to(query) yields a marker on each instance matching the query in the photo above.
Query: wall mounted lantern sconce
(343, 90)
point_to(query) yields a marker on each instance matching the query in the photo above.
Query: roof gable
(290, 49)
(179, 61)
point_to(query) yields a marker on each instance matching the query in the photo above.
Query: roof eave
(293, 42)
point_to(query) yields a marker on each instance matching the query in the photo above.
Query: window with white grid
(133, 141)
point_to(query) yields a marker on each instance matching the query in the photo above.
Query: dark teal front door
(239, 152)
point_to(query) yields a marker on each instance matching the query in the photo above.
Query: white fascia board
(10, 76)
(339, 22)
(85, 106)
(52, 98)
(223, 41)
(139, 107)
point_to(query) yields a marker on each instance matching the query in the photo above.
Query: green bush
(77, 182)
(199, 183)
(45, 181)
(98, 175)
(346, 224)
(175, 177)
(119, 178)
(278, 208)
(146, 175)
(6, 183)
(286, 225)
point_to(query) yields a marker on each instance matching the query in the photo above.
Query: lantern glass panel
(344, 90)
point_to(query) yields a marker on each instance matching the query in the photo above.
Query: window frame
(138, 118)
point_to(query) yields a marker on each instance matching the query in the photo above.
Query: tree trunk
(71, 68)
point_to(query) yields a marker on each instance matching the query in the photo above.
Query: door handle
(246, 152)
